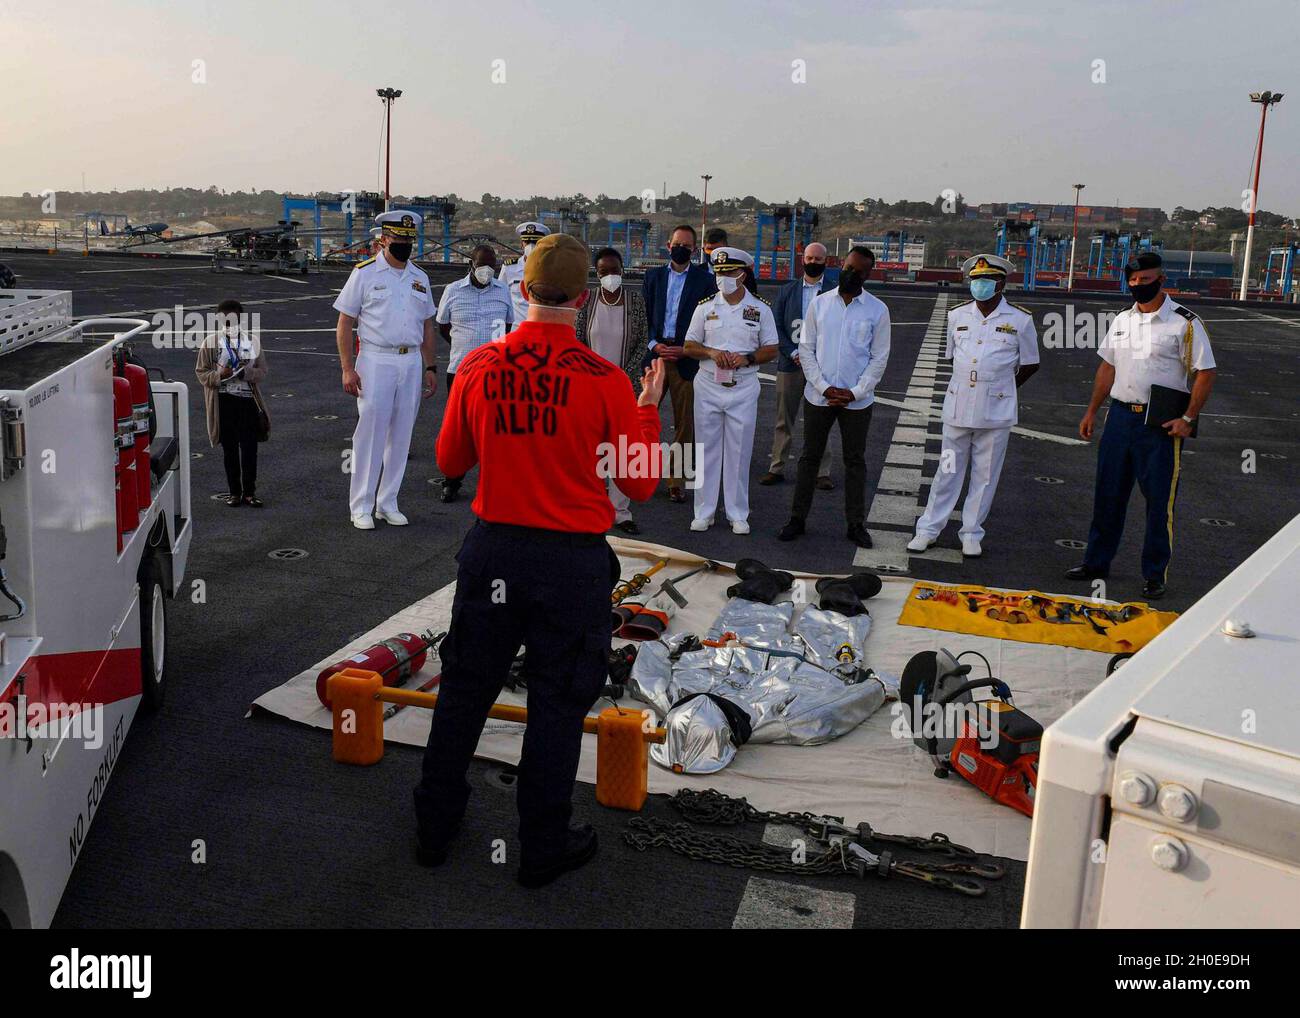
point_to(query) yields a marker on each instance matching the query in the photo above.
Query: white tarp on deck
(869, 774)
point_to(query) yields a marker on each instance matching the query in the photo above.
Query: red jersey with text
(544, 416)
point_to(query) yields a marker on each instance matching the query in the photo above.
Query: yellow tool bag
(1032, 617)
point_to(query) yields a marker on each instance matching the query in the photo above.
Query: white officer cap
(532, 232)
(727, 259)
(986, 265)
(399, 223)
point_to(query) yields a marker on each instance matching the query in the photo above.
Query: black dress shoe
(581, 849)
(791, 530)
(1153, 590)
(824, 483)
(1084, 573)
(449, 490)
(859, 536)
(771, 478)
(628, 527)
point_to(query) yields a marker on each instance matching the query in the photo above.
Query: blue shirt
(810, 290)
(476, 316)
(676, 281)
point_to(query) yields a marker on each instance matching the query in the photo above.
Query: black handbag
(263, 418)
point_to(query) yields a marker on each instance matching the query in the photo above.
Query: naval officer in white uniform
(513, 273)
(387, 299)
(732, 332)
(993, 346)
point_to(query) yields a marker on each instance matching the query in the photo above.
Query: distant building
(913, 250)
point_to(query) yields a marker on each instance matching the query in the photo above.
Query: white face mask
(728, 285)
(611, 283)
(484, 274)
(528, 249)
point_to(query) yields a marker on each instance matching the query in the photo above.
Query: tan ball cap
(558, 260)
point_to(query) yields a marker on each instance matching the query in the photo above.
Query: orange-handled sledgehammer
(622, 736)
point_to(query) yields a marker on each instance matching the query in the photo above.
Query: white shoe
(363, 521)
(971, 547)
(393, 518)
(739, 527)
(699, 525)
(919, 543)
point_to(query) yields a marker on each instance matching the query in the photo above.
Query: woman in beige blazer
(231, 366)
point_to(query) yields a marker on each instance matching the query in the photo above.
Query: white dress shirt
(844, 346)
(1161, 347)
(743, 327)
(512, 275)
(986, 353)
(390, 304)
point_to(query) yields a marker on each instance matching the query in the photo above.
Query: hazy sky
(996, 100)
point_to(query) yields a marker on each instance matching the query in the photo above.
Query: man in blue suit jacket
(672, 292)
(790, 306)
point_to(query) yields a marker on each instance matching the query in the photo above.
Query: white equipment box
(1170, 795)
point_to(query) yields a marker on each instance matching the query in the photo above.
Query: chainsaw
(991, 743)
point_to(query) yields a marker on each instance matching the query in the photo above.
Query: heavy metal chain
(686, 839)
(844, 851)
(713, 807)
(841, 857)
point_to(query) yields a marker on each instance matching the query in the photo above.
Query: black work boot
(838, 595)
(758, 582)
(865, 585)
(580, 849)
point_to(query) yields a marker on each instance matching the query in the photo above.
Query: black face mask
(400, 251)
(1145, 292)
(680, 253)
(813, 270)
(851, 280)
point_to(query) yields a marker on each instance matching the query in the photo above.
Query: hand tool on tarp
(669, 586)
(628, 588)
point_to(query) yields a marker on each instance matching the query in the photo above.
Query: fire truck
(95, 527)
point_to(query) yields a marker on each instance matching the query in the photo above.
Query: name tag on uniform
(419, 287)
(961, 328)
(751, 315)
(1007, 328)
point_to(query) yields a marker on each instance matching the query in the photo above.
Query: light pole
(1074, 237)
(1265, 100)
(388, 95)
(704, 223)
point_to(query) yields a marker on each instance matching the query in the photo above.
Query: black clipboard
(1165, 404)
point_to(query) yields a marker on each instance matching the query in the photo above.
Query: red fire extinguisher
(395, 659)
(123, 470)
(138, 377)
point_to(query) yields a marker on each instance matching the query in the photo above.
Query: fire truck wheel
(153, 633)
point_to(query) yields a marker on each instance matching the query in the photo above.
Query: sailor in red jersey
(542, 416)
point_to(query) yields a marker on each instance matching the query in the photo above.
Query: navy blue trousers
(548, 593)
(1130, 451)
